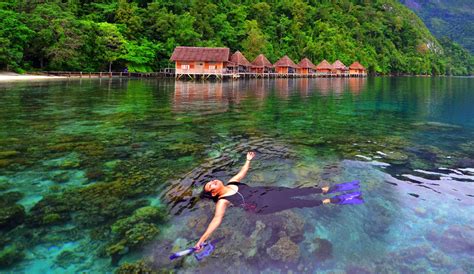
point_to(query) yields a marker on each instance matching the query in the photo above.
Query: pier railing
(167, 72)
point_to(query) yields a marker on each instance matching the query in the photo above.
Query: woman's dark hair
(207, 194)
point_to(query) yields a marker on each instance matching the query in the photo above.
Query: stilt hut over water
(356, 69)
(200, 60)
(238, 63)
(285, 65)
(261, 65)
(324, 68)
(339, 69)
(305, 66)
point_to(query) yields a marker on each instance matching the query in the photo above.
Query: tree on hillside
(110, 43)
(140, 54)
(14, 36)
(255, 42)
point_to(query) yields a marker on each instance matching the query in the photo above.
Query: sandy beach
(11, 76)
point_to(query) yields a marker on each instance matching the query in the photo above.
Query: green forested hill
(447, 18)
(383, 35)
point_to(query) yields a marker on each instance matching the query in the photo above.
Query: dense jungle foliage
(84, 35)
(447, 18)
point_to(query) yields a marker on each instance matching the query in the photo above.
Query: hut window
(184, 66)
(212, 67)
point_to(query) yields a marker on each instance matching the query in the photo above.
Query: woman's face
(213, 186)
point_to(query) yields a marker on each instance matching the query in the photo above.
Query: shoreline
(11, 76)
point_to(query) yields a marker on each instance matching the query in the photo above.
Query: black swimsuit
(266, 199)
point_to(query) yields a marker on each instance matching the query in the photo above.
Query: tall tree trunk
(110, 66)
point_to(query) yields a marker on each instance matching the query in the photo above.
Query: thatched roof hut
(238, 59)
(356, 66)
(305, 63)
(339, 66)
(285, 61)
(324, 66)
(261, 61)
(200, 54)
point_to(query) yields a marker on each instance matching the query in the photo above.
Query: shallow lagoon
(97, 174)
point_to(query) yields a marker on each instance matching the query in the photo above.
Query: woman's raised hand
(250, 155)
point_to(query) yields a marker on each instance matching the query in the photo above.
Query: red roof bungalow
(324, 67)
(239, 63)
(261, 65)
(200, 60)
(285, 65)
(305, 66)
(357, 69)
(339, 68)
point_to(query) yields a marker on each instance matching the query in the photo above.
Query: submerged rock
(455, 239)
(286, 223)
(467, 147)
(138, 267)
(284, 250)
(197, 225)
(10, 255)
(465, 162)
(358, 269)
(381, 221)
(66, 258)
(148, 214)
(95, 174)
(140, 234)
(60, 177)
(395, 157)
(5, 184)
(323, 249)
(10, 198)
(8, 154)
(135, 231)
(11, 216)
(48, 211)
(4, 163)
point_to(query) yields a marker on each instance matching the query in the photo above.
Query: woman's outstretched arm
(221, 206)
(245, 168)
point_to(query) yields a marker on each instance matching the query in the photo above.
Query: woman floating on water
(265, 199)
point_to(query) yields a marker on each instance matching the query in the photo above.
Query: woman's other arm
(244, 169)
(221, 206)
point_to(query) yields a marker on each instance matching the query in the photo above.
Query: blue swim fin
(344, 186)
(352, 198)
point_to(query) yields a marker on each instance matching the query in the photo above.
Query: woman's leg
(295, 192)
(277, 204)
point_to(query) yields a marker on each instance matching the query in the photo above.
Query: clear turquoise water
(81, 156)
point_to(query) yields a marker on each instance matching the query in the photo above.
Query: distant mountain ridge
(447, 18)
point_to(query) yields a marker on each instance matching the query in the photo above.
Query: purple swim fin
(352, 198)
(344, 186)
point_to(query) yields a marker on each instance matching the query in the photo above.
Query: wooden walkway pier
(188, 75)
(249, 75)
(163, 73)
